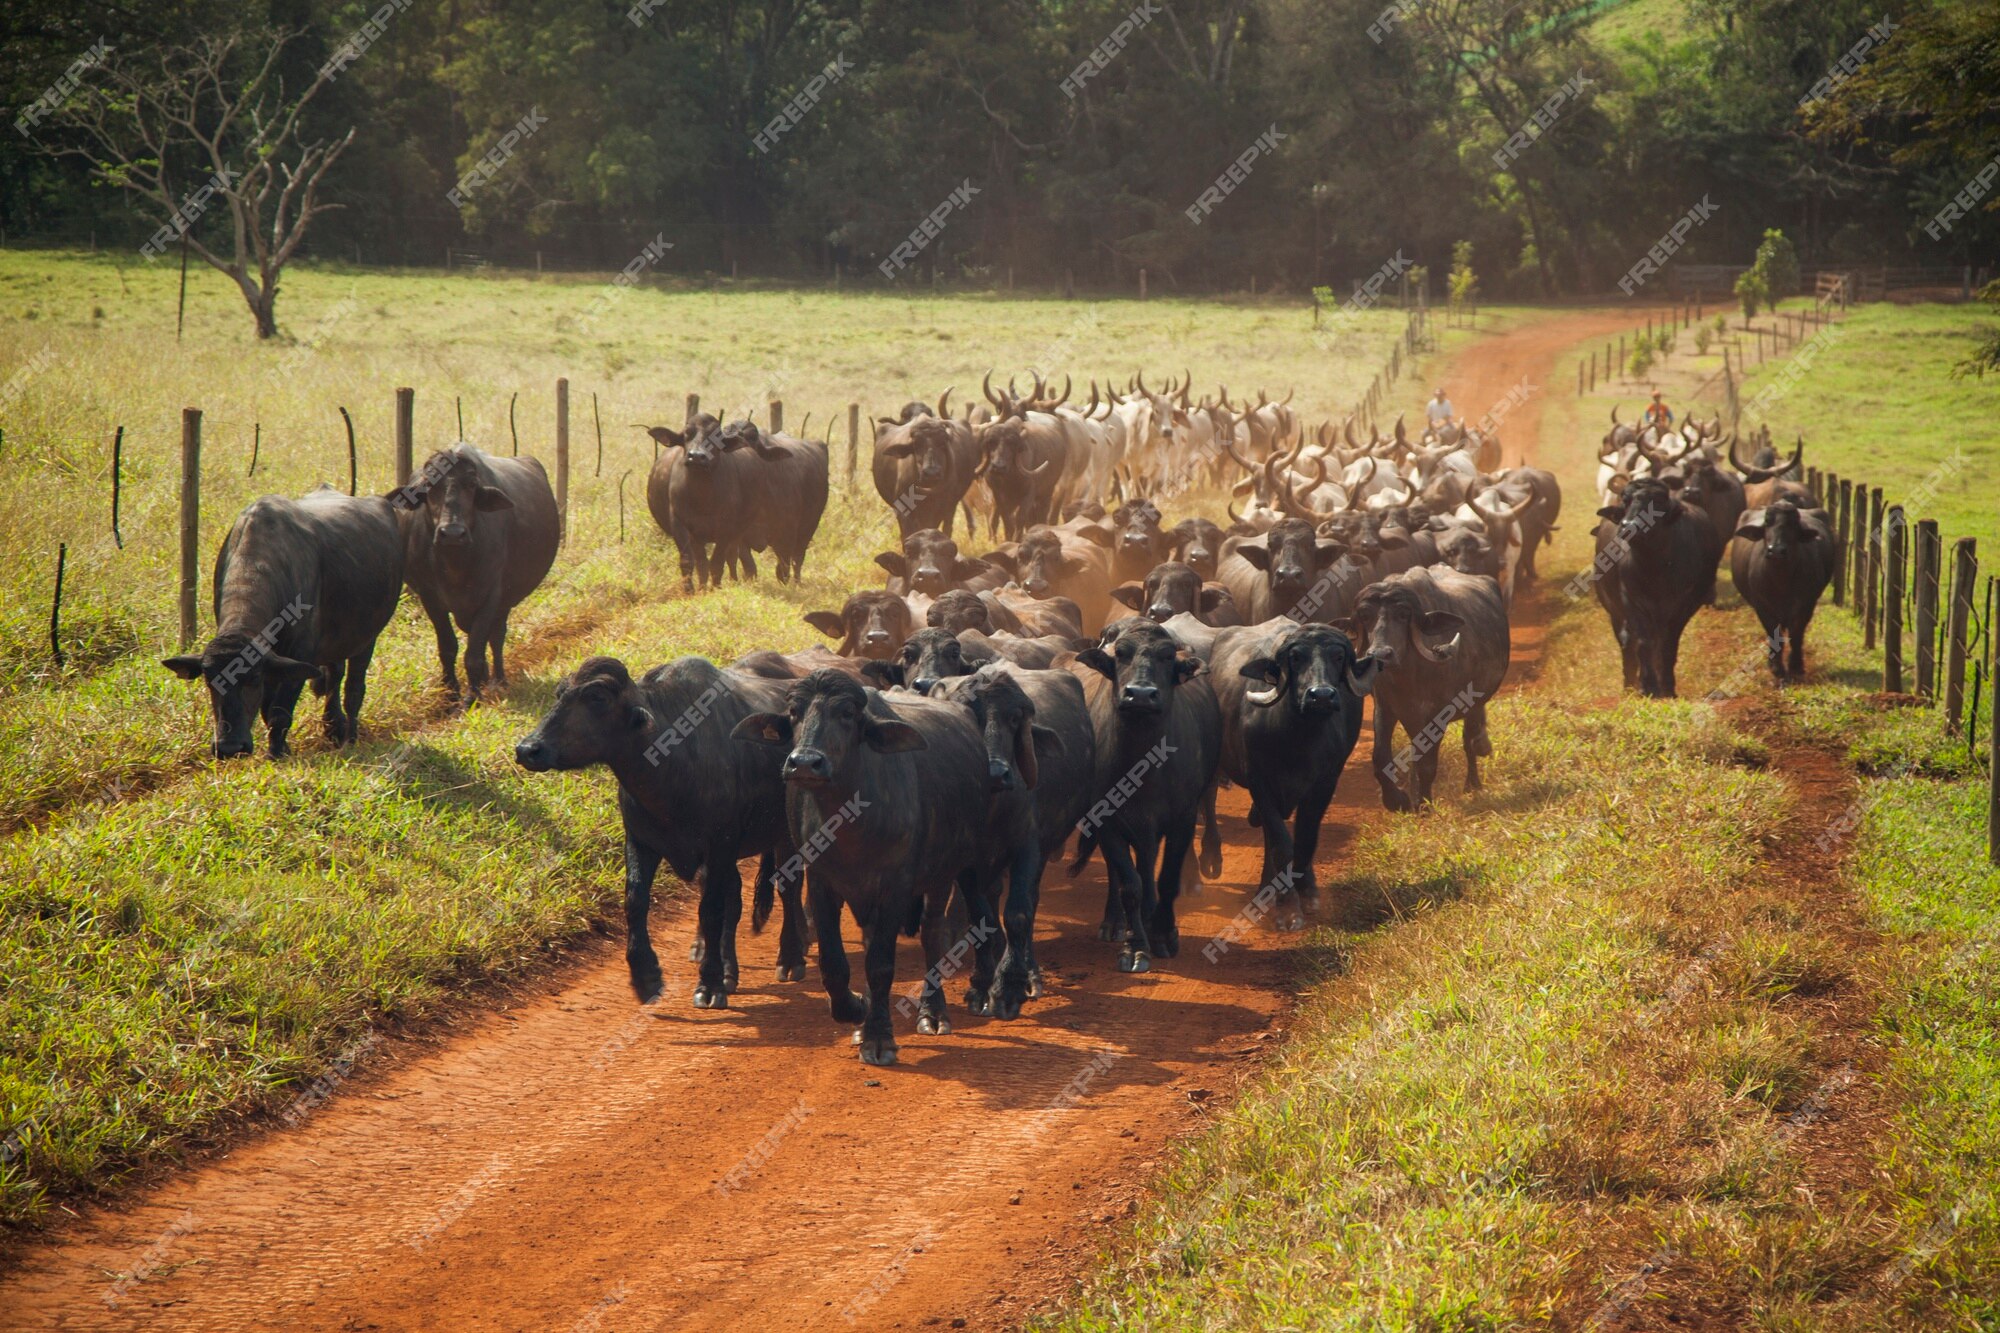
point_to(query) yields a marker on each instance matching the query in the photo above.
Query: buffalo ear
(1612, 512)
(1005, 558)
(891, 737)
(289, 670)
(1393, 538)
(666, 436)
(1099, 661)
(1047, 740)
(829, 623)
(883, 674)
(1130, 594)
(1259, 557)
(1188, 666)
(1259, 668)
(900, 449)
(1750, 531)
(894, 562)
(1328, 552)
(640, 718)
(964, 569)
(1349, 626)
(186, 666)
(763, 729)
(1214, 597)
(1097, 535)
(491, 500)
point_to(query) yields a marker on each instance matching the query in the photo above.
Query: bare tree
(183, 127)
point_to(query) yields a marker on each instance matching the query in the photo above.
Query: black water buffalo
(1197, 543)
(1781, 559)
(930, 563)
(1441, 639)
(480, 534)
(871, 624)
(1049, 563)
(1158, 735)
(1714, 490)
(923, 464)
(1137, 540)
(1290, 696)
(1767, 481)
(685, 795)
(1655, 567)
(930, 655)
(878, 800)
(1040, 757)
(302, 589)
(738, 489)
(1290, 571)
(1171, 588)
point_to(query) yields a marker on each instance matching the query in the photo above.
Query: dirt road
(576, 1162)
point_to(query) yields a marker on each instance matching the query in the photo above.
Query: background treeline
(1389, 143)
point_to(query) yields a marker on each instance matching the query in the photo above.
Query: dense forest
(786, 138)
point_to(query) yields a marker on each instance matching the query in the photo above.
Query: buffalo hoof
(1133, 961)
(878, 1051)
(729, 978)
(1288, 919)
(1007, 1005)
(933, 1025)
(708, 998)
(791, 971)
(1211, 860)
(1166, 943)
(849, 1008)
(646, 979)
(1035, 983)
(979, 1002)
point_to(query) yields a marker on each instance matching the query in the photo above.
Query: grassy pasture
(184, 941)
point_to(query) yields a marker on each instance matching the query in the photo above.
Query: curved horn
(1734, 461)
(1065, 394)
(1265, 695)
(1230, 509)
(1229, 447)
(1286, 400)
(1614, 414)
(987, 385)
(1402, 436)
(1140, 380)
(944, 402)
(1444, 652)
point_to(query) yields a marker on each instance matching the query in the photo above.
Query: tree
(181, 127)
(1463, 282)
(1752, 291)
(1779, 264)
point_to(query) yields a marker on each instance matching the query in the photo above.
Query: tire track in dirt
(562, 1163)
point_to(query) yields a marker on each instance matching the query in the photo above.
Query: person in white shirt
(1440, 411)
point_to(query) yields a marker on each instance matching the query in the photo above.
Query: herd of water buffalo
(1097, 672)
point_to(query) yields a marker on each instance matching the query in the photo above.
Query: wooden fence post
(777, 415)
(562, 458)
(55, 606)
(1898, 536)
(117, 466)
(1873, 569)
(1964, 573)
(406, 446)
(513, 430)
(1843, 498)
(853, 440)
(1930, 552)
(1993, 777)
(597, 422)
(190, 520)
(1142, 284)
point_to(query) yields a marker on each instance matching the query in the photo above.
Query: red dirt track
(560, 1164)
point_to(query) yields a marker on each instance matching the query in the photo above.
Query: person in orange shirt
(1659, 415)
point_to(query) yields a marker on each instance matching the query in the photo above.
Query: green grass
(183, 942)
(1878, 405)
